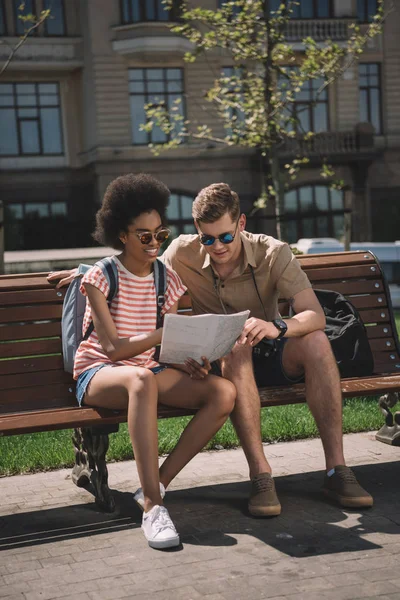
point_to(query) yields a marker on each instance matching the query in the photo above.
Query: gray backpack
(75, 304)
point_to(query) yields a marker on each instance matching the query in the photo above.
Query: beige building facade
(71, 104)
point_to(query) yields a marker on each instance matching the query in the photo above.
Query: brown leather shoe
(263, 501)
(344, 488)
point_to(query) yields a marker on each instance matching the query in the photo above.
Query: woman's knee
(140, 381)
(222, 394)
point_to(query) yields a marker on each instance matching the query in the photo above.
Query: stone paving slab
(55, 543)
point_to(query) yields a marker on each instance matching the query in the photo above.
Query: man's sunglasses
(224, 238)
(160, 236)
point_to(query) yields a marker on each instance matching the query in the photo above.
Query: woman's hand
(197, 371)
(65, 277)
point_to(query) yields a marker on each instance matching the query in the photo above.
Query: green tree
(256, 98)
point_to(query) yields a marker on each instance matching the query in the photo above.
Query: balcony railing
(319, 29)
(328, 144)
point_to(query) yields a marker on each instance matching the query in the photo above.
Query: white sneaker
(139, 498)
(159, 529)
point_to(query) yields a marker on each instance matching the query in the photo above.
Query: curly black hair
(124, 200)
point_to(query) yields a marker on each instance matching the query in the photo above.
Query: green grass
(53, 450)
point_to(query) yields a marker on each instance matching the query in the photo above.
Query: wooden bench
(37, 395)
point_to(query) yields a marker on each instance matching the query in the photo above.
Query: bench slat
(25, 331)
(340, 273)
(31, 380)
(30, 348)
(375, 316)
(379, 331)
(311, 261)
(382, 345)
(30, 313)
(350, 288)
(58, 419)
(32, 297)
(56, 394)
(31, 365)
(32, 281)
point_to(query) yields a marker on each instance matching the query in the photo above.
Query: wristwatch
(281, 325)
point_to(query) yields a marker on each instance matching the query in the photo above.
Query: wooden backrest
(31, 367)
(32, 376)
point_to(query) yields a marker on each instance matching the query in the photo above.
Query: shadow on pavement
(216, 515)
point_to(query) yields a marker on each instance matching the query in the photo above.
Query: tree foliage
(256, 99)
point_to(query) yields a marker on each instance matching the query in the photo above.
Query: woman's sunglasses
(146, 237)
(224, 238)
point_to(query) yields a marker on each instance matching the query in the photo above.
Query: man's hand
(197, 371)
(65, 277)
(255, 330)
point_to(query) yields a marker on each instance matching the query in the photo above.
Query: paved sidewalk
(54, 543)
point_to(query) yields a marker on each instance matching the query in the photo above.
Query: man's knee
(315, 348)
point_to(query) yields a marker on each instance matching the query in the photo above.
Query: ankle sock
(331, 472)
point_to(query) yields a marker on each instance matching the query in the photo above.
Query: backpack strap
(110, 272)
(160, 282)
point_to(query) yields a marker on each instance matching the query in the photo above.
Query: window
(308, 9)
(370, 94)
(55, 24)
(29, 8)
(366, 9)
(30, 119)
(153, 86)
(135, 11)
(36, 225)
(3, 28)
(309, 108)
(179, 214)
(313, 211)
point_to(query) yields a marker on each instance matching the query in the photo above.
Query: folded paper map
(212, 336)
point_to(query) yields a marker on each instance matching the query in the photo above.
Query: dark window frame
(314, 213)
(163, 96)
(367, 89)
(3, 19)
(19, 120)
(143, 10)
(180, 222)
(309, 105)
(362, 11)
(316, 4)
(64, 22)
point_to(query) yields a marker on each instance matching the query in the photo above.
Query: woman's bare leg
(133, 388)
(214, 397)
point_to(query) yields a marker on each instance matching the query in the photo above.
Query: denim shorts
(86, 376)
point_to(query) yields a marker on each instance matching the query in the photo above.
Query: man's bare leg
(238, 368)
(312, 355)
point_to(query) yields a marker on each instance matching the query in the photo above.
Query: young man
(227, 269)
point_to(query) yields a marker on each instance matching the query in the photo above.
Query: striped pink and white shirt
(133, 310)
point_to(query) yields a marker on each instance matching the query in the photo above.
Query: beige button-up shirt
(276, 270)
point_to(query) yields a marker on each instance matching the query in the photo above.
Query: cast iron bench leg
(390, 432)
(91, 445)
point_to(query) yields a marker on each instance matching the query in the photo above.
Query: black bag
(347, 335)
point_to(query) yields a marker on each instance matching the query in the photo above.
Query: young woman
(115, 366)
